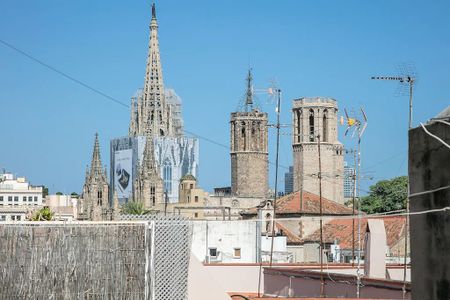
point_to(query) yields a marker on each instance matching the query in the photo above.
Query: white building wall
(224, 236)
(17, 198)
(18, 192)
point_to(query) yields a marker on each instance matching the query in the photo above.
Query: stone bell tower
(316, 118)
(249, 153)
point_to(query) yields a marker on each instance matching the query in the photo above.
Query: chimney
(375, 249)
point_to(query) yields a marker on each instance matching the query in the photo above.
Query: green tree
(44, 191)
(135, 208)
(74, 195)
(44, 214)
(59, 193)
(386, 195)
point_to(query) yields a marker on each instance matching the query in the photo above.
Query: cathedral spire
(154, 102)
(96, 164)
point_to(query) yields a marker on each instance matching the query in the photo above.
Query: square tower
(313, 119)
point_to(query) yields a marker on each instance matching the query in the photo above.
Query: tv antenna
(358, 124)
(407, 78)
(355, 124)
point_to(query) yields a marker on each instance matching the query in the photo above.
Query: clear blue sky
(311, 48)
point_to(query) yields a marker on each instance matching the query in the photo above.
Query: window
(35, 199)
(195, 215)
(213, 252)
(13, 218)
(188, 198)
(237, 253)
(191, 186)
(24, 199)
(325, 126)
(1, 198)
(311, 125)
(18, 218)
(9, 198)
(167, 176)
(2, 218)
(196, 198)
(30, 199)
(16, 199)
(153, 195)
(243, 137)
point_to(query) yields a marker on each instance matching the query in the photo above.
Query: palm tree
(44, 214)
(136, 208)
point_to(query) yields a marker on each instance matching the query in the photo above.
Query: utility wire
(71, 78)
(435, 136)
(108, 97)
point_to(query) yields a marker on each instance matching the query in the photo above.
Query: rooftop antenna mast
(407, 79)
(358, 126)
(247, 103)
(249, 93)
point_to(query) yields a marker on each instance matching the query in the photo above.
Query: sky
(308, 48)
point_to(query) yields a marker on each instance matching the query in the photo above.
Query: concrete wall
(225, 237)
(429, 168)
(286, 283)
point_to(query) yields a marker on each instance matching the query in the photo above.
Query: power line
(71, 78)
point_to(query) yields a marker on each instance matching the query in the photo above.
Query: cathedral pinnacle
(96, 164)
(153, 11)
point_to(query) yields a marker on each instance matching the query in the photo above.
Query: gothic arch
(325, 126)
(311, 125)
(243, 137)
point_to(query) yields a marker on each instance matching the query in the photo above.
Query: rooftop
(341, 231)
(291, 204)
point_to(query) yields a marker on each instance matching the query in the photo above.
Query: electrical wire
(434, 136)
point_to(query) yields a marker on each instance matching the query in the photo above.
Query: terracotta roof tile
(290, 204)
(341, 230)
(292, 238)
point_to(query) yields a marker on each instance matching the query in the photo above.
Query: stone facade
(95, 196)
(148, 186)
(150, 105)
(249, 152)
(315, 118)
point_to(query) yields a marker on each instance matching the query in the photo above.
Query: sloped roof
(292, 238)
(188, 177)
(310, 204)
(341, 230)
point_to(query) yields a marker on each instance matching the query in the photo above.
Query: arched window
(268, 221)
(99, 196)
(243, 137)
(153, 195)
(299, 125)
(311, 125)
(325, 126)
